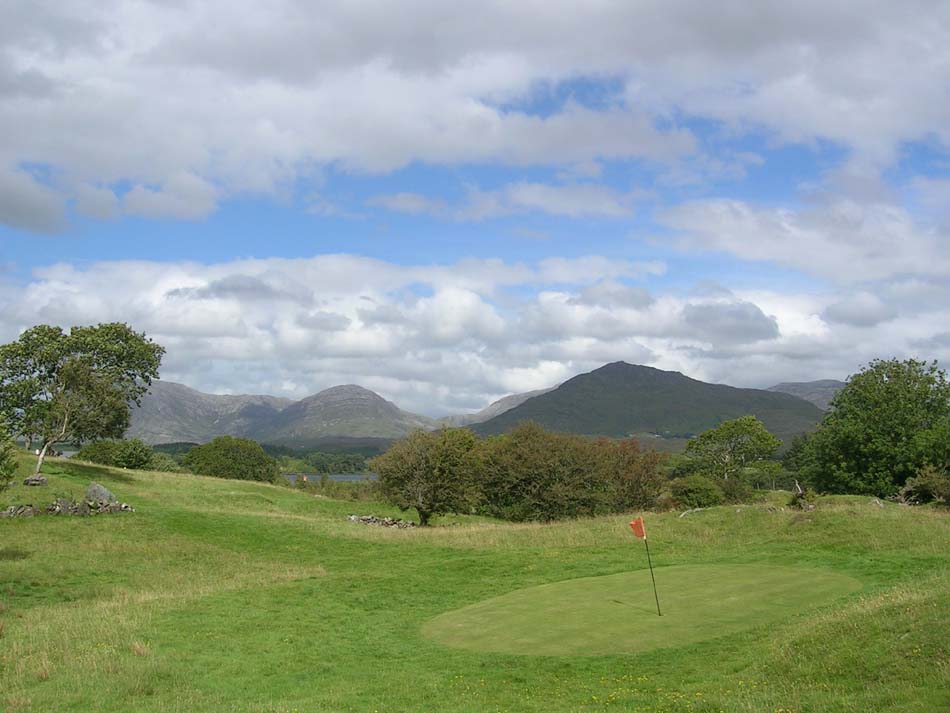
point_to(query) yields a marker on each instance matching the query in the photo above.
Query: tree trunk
(423, 517)
(41, 456)
(47, 444)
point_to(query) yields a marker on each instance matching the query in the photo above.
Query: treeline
(526, 474)
(225, 456)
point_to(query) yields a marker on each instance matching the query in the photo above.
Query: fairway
(617, 613)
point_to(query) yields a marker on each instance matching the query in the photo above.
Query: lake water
(336, 477)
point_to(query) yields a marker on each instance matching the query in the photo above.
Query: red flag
(638, 529)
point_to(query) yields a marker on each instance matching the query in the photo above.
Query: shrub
(165, 463)
(804, 499)
(696, 491)
(533, 474)
(230, 457)
(102, 452)
(736, 490)
(929, 485)
(8, 463)
(132, 453)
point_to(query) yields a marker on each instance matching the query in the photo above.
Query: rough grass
(230, 596)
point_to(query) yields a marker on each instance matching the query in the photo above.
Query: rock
(35, 480)
(380, 521)
(19, 511)
(99, 493)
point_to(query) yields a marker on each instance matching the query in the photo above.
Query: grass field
(230, 596)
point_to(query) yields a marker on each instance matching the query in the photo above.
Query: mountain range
(615, 400)
(621, 399)
(818, 392)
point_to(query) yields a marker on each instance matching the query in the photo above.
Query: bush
(696, 491)
(230, 457)
(929, 485)
(101, 452)
(132, 453)
(804, 499)
(736, 490)
(8, 463)
(165, 463)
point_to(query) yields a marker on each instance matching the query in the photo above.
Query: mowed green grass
(616, 613)
(229, 596)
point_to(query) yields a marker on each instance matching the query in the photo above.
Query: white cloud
(575, 200)
(844, 240)
(184, 196)
(194, 102)
(861, 309)
(443, 337)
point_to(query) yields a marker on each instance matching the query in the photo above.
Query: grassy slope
(220, 595)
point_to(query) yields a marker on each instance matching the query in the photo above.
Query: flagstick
(655, 595)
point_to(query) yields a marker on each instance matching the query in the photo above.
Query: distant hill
(339, 411)
(819, 392)
(495, 408)
(621, 399)
(174, 412)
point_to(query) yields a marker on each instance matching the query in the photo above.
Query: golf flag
(640, 531)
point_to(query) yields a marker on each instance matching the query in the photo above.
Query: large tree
(725, 450)
(888, 421)
(74, 386)
(433, 472)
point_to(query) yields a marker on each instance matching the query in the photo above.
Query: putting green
(617, 614)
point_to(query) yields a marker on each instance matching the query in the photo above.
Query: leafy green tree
(433, 472)
(888, 421)
(58, 386)
(230, 457)
(723, 451)
(8, 462)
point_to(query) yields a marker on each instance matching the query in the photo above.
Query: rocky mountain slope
(348, 410)
(495, 408)
(174, 412)
(819, 392)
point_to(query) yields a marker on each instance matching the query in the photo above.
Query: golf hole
(617, 613)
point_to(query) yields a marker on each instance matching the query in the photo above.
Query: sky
(450, 202)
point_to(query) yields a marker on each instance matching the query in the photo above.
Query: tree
(75, 386)
(230, 457)
(725, 450)
(888, 421)
(8, 462)
(433, 472)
